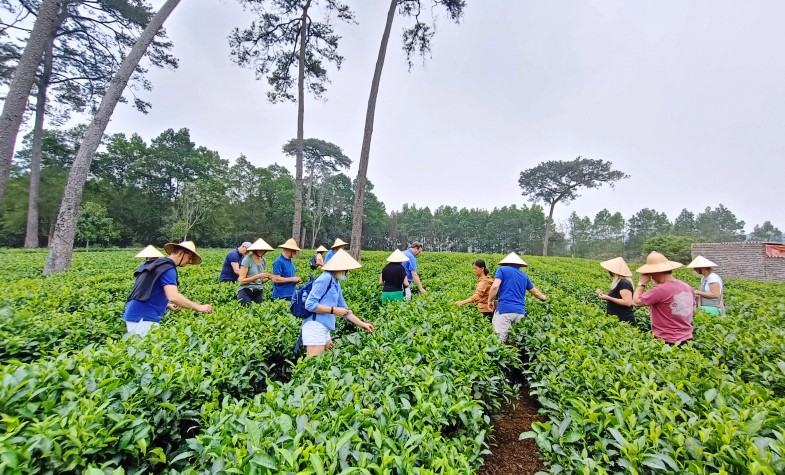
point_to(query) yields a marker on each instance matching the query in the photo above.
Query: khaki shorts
(503, 322)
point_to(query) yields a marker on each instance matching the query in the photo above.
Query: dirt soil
(510, 455)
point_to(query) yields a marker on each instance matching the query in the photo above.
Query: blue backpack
(297, 307)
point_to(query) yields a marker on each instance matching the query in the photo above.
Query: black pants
(247, 295)
(489, 315)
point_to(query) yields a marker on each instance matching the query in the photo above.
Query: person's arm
(714, 293)
(493, 292)
(179, 299)
(639, 290)
(278, 279)
(536, 292)
(236, 268)
(405, 281)
(478, 290)
(416, 278)
(625, 300)
(381, 281)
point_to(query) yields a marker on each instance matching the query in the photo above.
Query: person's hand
(422, 290)
(645, 279)
(543, 298)
(204, 308)
(341, 312)
(298, 280)
(266, 276)
(329, 344)
(459, 303)
(174, 307)
(366, 326)
(492, 305)
(600, 294)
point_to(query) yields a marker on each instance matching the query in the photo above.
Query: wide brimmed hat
(397, 256)
(185, 245)
(341, 260)
(701, 261)
(617, 266)
(321, 249)
(513, 259)
(338, 242)
(291, 244)
(656, 262)
(149, 252)
(260, 245)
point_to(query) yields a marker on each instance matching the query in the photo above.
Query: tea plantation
(222, 393)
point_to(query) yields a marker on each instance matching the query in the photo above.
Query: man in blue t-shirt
(337, 246)
(510, 285)
(284, 278)
(231, 268)
(155, 289)
(410, 267)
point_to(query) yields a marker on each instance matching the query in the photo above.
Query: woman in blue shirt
(326, 301)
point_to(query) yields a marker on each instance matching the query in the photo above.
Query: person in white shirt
(709, 293)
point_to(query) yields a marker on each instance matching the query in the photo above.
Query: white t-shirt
(705, 281)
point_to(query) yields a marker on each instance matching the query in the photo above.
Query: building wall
(742, 259)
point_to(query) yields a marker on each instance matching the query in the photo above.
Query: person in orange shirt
(484, 282)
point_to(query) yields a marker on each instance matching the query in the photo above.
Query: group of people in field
(500, 298)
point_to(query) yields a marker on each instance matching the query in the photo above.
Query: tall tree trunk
(548, 225)
(62, 244)
(298, 180)
(22, 83)
(31, 236)
(362, 173)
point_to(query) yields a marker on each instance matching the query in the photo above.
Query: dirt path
(510, 455)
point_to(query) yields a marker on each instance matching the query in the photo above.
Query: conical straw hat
(341, 260)
(291, 244)
(397, 256)
(513, 259)
(149, 252)
(188, 246)
(656, 262)
(321, 249)
(260, 245)
(701, 261)
(338, 242)
(617, 266)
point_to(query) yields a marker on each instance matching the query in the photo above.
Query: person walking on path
(507, 296)
(231, 268)
(480, 296)
(620, 296)
(285, 278)
(253, 273)
(393, 278)
(671, 301)
(710, 291)
(326, 301)
(411, 253)
(337, 246)
(155, 289)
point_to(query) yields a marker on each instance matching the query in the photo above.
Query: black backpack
(312, 263)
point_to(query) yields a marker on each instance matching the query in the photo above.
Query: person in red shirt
(671, 301)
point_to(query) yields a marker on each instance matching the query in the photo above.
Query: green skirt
(392, 296)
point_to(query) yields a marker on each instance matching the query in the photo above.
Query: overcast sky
(687, 97)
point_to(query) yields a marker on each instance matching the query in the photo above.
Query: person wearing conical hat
(231, 268)
(414, 250)
(155, 289)
(317, 261)
(253, 273)
(285, 278)
(337, 246)
(326, 301)
(671, 301)
(480, 296)
(507, 296)
(710, 290)
(393, 278)
(620, 296)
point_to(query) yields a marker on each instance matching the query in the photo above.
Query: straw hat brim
(338, 242)
(658, 267)
(617, 266)
(149, 252)
(260, 245)
(321, 249)
(189, 246)
(513, 259)
(291, 245)
(701, 262)
(341, 261)
(397, 256)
